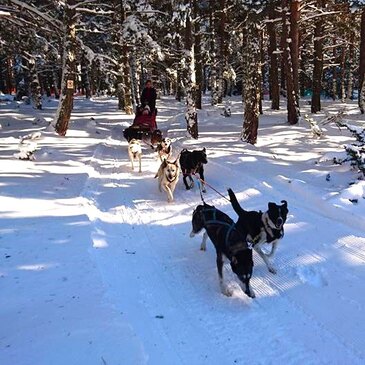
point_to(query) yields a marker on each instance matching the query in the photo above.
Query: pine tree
(361, 98)
(65, 105)
(291, 96)
(252, 77)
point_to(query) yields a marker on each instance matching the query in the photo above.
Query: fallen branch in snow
(26, 150)
(336, 118)
(315, 128)
(355, 151)
(30, 136)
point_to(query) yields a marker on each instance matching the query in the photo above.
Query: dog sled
(144, 127)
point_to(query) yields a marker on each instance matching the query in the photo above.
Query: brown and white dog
(168, 175)
(164, 149)
(135, 152)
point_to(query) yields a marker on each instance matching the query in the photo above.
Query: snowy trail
(136, 274)
(167, 289)
(97, 268)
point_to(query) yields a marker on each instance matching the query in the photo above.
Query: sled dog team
(232, 240)
(188, 162)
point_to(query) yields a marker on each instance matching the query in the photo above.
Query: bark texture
(65, 105)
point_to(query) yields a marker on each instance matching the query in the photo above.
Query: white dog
(168, 175)
(135, 152)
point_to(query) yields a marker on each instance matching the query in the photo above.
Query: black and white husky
(164, 149)
(228, 242)
(261, 228)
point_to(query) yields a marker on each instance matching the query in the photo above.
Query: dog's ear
(164, 164)
(285, 206)
(271, 205)
(204, 150)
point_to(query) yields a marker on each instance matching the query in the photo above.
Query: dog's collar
(272, 233)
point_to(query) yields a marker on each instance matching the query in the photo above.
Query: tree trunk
(85, 79)
(350, 66)
(343, 73)
(292, 104)
(274, 86)
(124, 80)
(56, 81)
(134, 80)
(283, 45)
(213, 76)
(65, 105)
(9, 77)
(362, 65)
(294, 44)
(334, 70)
(180, 84)
(2, 81)
(198, 57)
(262, 71)
(222, 50)
(318, 63)
(191, 115)
(35, 87)
(252, 79)
(128, 103)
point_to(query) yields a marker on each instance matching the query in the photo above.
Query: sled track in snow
(287, 277)
(188, 277)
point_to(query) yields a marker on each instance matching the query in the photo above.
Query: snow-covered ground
(97, 267)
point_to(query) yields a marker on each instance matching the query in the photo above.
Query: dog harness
(231, 227)
(272, 234)
(190, 172)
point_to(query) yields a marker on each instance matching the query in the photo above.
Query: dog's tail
(236, 206)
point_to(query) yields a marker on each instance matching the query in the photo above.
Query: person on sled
(149, 96)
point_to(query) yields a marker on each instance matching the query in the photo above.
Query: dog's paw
(250, 293)
(203, 247)
(272, 269)
(227, 291)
